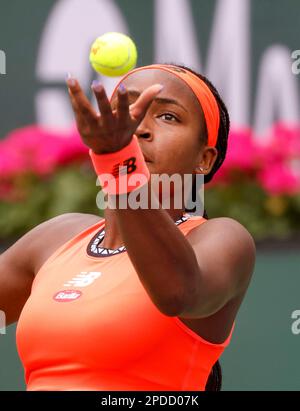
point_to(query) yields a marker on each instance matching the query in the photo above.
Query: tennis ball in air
(113, 54)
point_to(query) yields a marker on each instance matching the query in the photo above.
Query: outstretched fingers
(104, 105)
(82, 108)
(123, 106)
(139, 108)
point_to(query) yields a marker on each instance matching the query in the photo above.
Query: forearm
(164, 260)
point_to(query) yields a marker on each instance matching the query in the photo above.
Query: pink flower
(279, 179)
(275, 165)
(241, 155)
(273, 161)
(280, 160)
(37, 150)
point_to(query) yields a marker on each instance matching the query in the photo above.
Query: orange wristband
(122, 171)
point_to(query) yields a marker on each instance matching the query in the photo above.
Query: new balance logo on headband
(178, 69)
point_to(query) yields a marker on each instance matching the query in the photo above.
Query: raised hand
(111, 130)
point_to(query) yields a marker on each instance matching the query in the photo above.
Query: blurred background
(250, 50)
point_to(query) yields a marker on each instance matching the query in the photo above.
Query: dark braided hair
(224, 126)
(214, 381)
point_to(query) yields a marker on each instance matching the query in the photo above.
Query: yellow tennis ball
(113, 54)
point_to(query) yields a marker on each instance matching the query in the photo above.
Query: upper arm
(17, 268)
(16, 277)
(225, 253)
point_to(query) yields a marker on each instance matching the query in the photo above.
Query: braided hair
(214, 381)
(224, 126)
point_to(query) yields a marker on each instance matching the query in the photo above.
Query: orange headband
(203, 93)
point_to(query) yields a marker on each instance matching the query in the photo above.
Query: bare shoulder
(57, 231)
(64, 225)
(226, 242)
(76, 221)
(225, 224)
(224, 228)
(30, 248)
(21, 261)
(225, 252)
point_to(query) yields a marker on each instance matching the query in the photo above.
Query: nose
(143, 131)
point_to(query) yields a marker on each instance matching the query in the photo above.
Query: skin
(203, 284)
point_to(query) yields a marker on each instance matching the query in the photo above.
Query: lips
(146, 158)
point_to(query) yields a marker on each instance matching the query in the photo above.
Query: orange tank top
(89, 324)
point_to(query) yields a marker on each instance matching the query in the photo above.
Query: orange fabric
(105, 334)
(115, 181)
(202, 92)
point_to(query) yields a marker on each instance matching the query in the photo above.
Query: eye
(168, 117)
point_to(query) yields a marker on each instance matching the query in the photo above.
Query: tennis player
(142, 299)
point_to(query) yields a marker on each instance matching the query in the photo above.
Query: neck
(113, 238)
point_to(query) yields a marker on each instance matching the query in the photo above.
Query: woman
(144, 299)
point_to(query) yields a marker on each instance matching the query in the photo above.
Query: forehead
(174, 87)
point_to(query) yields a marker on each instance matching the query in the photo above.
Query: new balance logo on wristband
(115, 170)
(127, 167)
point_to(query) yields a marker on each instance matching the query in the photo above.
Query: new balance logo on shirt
(83, 279)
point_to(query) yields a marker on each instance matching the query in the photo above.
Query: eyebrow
(159, 100)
